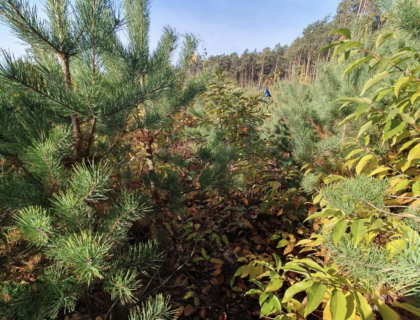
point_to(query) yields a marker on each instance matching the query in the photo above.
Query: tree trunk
(75, 121)
(309, 63)
(91, 138)
(359, 11)
(262, 73)
(151, 167)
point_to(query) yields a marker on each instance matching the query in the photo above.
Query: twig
(415, 208)
(112, 307)
(397, 197)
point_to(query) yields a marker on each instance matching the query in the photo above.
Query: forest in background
(253, 68)
(134, 187)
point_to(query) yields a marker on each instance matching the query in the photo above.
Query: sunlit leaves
(384, 36)
(364, 309)
(386, 311)
(358, 231)
(371, 82)
(343, 31)
(338, 305)
(339, 231)
(315, 296)
(296, 288)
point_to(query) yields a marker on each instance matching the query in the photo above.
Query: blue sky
(226, 26)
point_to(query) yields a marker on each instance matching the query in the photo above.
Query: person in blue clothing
(267, 93)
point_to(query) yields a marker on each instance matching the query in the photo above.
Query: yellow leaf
(304, 242)
(399, 85)
(414, 153)
(305, 166)
(290, 246)
(317, 199)
(216, 261)
(246, 271)
(333, 177)
(354, 152)
(225, 239)
(386, 312)
(274, 285)
(327, 312)
(188, 295)
(204, 254)
(259, 270)
(361, 165)
(407, 307)
(396, 246)
(351, 163)
(402, 185)
(378, 170)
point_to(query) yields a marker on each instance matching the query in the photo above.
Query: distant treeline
(268, 65)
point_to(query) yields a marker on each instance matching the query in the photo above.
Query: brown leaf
(217, 272)
(179, 281)
(214, 281)
(188, 310)
(203, 313)
(246, 253)
(6, 297)
(242, 285)
(221, 278)
(206, 289)
(290, 246)
(237, 249)
(247, 223)
(179, 312)
(223, 316)
(228, 259)
(312, 211)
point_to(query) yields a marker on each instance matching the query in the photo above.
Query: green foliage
(36, 225)
(226, 134)
(309, 183)
(153, 309)
(363, 171)
(66, 108)
(352, 193)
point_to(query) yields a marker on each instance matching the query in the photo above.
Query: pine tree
(65, 108)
